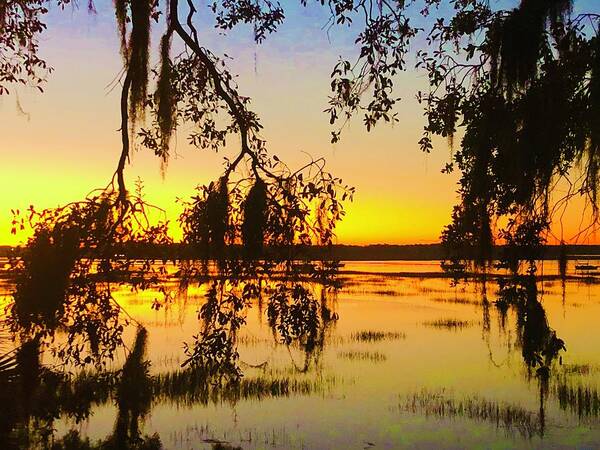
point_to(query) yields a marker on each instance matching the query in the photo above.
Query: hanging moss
(165, 98)
(217, 214)
(517, 41)
(139, 45)
(593, 165)
(543, 125)
(521, 38)
(121, 14)
(255, 217)
(558, 10)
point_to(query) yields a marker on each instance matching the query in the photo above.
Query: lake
(412, 361)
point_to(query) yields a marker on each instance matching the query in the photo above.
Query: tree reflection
(81, 326)
(540, 346)
(298, 298)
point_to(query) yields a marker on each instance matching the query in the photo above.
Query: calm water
(411, 362)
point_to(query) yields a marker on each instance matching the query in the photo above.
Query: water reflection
(511, 418)
(291, 363)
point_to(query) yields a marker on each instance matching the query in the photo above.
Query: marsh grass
(376, 336)
(392, 293)
(252, 341)
(189, 387)
(456, 300)
(224, 446)
(422, 289)
(380, 292)
(449, 324)
(353, 355)
(584, 401)
(512, 418)
(167, 361)
(579, 369)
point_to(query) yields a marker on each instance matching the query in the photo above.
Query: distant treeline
(379, 252)
(424, 252)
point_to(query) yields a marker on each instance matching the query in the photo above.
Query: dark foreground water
(412, 362)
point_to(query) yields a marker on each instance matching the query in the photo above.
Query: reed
(376, 336)
(512, 418)
(449, 324)
(193, 387)
(353, 355)
(584, 401)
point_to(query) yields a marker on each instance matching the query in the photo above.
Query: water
(413, 361)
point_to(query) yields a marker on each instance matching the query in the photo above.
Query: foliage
(271, 207)
(63, 275)
(518, 82)
(20, 22)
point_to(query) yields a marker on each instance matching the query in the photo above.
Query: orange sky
(67, 142)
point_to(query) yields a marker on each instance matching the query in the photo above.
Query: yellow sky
(67, 142)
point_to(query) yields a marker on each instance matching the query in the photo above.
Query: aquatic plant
(584, 401)
(579, 369)
(354, 355)
(449, 324)
(512, 418)
(456, 300)
(193, 386)
(376, 336)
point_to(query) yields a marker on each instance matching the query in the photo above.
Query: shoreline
(339, 252)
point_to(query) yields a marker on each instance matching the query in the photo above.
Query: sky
(58, 145)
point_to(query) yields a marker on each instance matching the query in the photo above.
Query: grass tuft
(353, 355)
(449, 324)
(376, 336)
(512, 418)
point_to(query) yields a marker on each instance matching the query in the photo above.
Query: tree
(193, 87)
(520, 84)
(251, 219)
